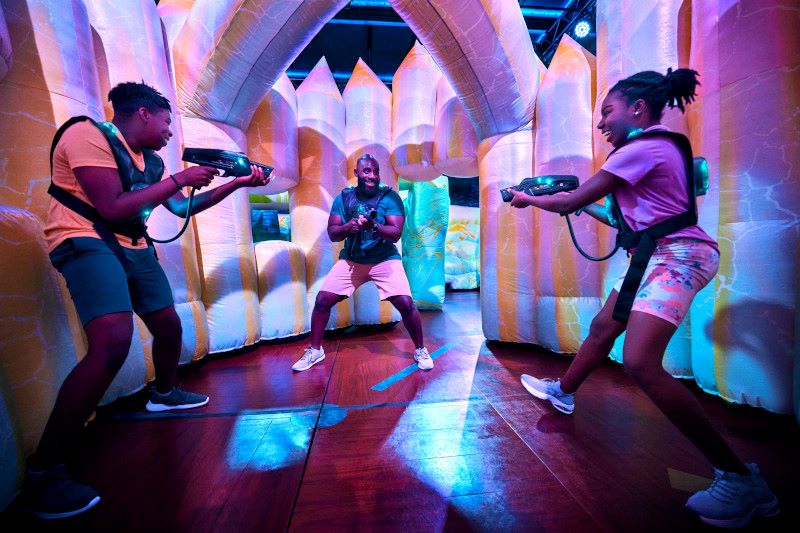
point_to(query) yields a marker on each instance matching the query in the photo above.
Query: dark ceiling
(372, 31)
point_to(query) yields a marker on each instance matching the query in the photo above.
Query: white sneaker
(423, 359)
(310, 358)
(547, 389)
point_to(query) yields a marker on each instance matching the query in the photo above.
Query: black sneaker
(51, 494)
(175, 399)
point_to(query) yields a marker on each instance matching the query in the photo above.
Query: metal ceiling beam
(578, 10)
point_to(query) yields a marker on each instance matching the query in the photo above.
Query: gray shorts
(100, 284)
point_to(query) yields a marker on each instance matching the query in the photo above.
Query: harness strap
(135, 228)
(645, 243)
(645, 240)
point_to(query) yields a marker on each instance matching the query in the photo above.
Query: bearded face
(369, 177)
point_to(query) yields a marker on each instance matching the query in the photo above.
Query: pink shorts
(677, 271)
(389, 276)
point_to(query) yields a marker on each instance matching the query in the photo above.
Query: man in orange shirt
(106, 177)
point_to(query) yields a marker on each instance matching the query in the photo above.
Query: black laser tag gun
(230, 163)
(542, 185)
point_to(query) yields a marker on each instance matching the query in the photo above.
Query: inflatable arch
(221, 64)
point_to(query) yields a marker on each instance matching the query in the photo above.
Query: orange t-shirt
(81, 145)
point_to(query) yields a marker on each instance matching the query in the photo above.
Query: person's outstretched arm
(178, 203)
(104, 189)
(595, 188)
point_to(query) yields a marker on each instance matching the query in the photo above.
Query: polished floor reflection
(364, 442)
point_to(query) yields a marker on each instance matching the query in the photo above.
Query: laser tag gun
(230, 163)
(368, 240)
(542, 185)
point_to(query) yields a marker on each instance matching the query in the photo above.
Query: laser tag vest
(132, 179)
(357, 244)
(645, 240)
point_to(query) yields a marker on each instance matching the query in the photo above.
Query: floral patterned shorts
(677, 271)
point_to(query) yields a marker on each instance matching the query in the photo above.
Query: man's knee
(110, 336)
(165, 324)
(404, 304)
(325, 300)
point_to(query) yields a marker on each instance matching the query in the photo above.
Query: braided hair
(676, 89)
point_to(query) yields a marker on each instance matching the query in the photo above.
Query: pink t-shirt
(655, 185)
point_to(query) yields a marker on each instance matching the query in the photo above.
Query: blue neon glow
(303, 74)
(407, 371)
(542, 13)
(360, 22)
(370, 3)
(268, 442)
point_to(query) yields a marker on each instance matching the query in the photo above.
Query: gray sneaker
(311, 357)
(548, 389)
(51, 494)
(733, 500)
(175, 399)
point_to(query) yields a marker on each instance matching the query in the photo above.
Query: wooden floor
(363, 442)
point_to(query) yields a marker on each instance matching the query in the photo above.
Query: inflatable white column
(272, 140)
(321, 123)
(569, 285)
(230, 290)
(508, 281)
(455, 154)
(368, 130)
(455, 143)
(413, 115)
(746, 349)
(485, 51)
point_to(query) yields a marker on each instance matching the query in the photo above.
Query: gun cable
(185, 223)
(578, 246)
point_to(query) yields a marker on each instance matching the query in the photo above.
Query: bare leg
(109, 339)
(411, 319)
(165, 326)
(594, 350)
(320, 315)
(645, 342)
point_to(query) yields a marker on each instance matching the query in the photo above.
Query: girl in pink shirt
(648, 179)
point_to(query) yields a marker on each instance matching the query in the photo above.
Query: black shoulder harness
(351, 202)
(644, 240)
(131, 178)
